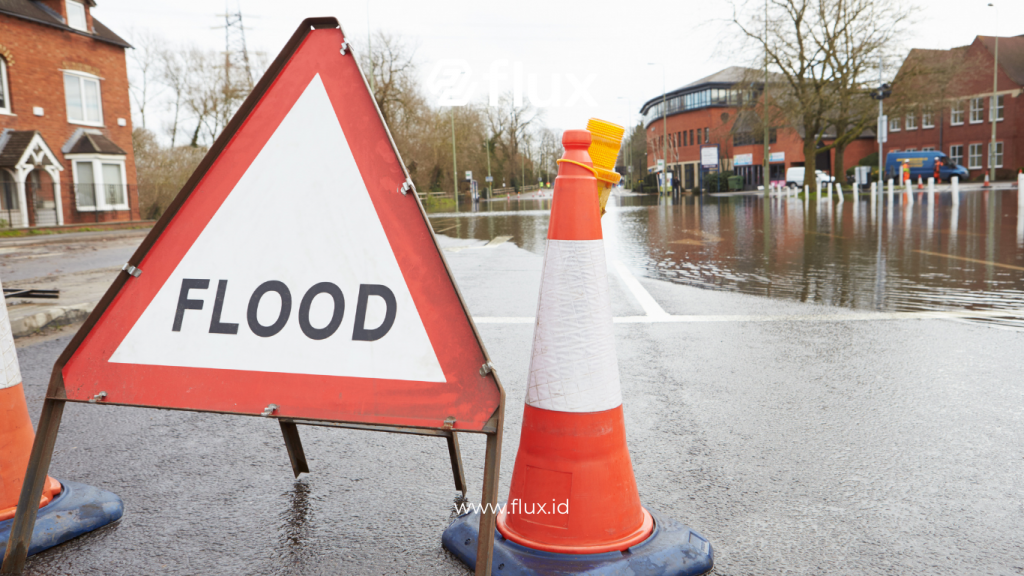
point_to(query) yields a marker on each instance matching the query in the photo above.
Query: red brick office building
(65, 117)
(709, 112)
(960, 124)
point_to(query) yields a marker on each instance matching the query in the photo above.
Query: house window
(911, 121)
(911, 150)
(995, 157)
(707, 135)
(974, 157)
(76, 15)
(82, 95)
(100, 185)
(998, 108)
(956, 154)
(5, 98)
(691, 138)
(894, 124)
(956, 114)
(928, 149)
(927, 120)
(977, 106)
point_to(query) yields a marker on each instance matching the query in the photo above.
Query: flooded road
(880, 256)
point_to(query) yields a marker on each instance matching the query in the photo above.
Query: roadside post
(349, 317)
(954, 183)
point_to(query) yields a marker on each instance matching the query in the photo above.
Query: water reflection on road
(880, 255)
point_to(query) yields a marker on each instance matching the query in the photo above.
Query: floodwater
(881, 255)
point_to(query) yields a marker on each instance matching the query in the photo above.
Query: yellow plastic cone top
(605, 142)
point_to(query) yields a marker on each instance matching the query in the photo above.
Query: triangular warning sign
(292, 270)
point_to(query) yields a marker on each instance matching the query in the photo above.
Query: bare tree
(143, 85)
(826, 53)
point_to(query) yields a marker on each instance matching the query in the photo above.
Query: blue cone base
(79, 508)
(673, 549)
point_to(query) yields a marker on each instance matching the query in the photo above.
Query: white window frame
(997, 158)
(956, 113)
(5, 88)
(972, 156)
(928, 149)
(957, 159)
(85, 19)
(911, 121)
(927, 119)
(99, 195)
(977, 112)
(997, 109)
(911, 150)
(82, 78)
(894, 124)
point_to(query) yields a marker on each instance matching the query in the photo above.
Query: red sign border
(485, 423)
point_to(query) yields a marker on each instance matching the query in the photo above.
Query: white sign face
(315, 291)
(776, 156)
(883, 129)
(709, 156)
(743, 160)
(469, 174)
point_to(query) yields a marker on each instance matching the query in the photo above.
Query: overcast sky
(598, 51)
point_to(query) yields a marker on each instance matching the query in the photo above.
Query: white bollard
(1020, 190)
(807, 194)
(955, 184)
(839, 192)
(910, 193)
(931, 191)
(856, 192)
(817, 186)
(830, 191)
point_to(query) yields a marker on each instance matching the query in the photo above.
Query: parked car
(795, 176)
(923, 164)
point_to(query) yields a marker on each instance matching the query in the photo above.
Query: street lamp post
(992, 105)
(664, 127)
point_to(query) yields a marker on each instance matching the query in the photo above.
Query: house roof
(1011, 55)
(88, 142)
(40, 14)
(16, 146)
(12, 146)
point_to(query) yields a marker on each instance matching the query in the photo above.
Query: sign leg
(32, 488)
(489, 503)
(294, 445)
(456, 457)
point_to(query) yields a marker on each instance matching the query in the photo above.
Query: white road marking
(849, 317)
(654, 311)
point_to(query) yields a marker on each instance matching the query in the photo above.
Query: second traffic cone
(67, 509)
(16, 433)
(920, 184)
(986, 184)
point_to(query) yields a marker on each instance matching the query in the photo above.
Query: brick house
(65, 118)
(943, 101)
(711, 112)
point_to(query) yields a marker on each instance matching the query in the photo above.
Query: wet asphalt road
(797, 446)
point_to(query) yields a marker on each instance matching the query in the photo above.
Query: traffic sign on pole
(316, 294)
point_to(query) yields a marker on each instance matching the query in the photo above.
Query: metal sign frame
(56, 396)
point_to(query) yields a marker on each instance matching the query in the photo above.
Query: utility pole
(765, 166)
(455, 166)
(490, 179)
(236, 53)
(992, 105)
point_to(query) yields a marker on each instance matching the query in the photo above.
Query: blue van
(923, 164)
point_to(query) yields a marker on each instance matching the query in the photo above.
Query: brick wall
(40, 53)
(978, 83)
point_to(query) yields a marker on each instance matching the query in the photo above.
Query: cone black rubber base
(79, 508)
(673, 549)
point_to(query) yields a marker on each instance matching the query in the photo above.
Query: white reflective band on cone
(10, 375)
(574, 367)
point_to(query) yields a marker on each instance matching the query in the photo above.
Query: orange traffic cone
(67, 509)
(573, 495)
(16, 433)
(986, 184)
(920, 184)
